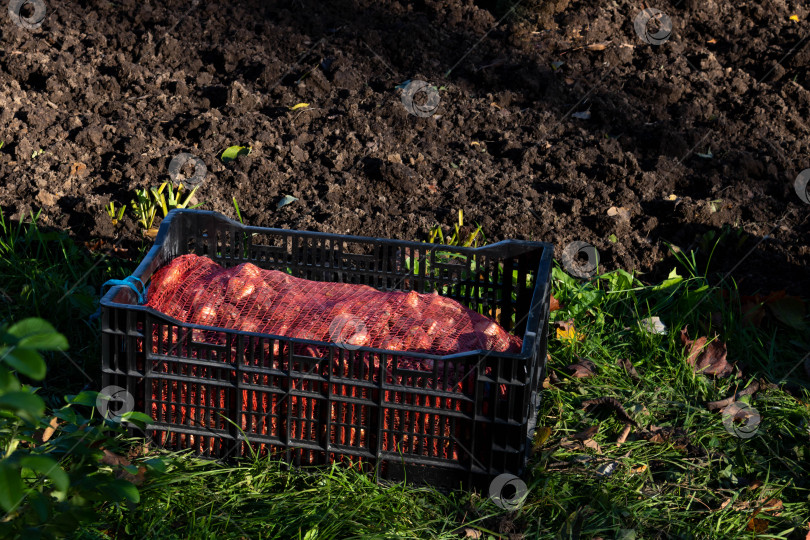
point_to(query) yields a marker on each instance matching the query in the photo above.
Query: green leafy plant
(173, 200)
(165, 198)
(55, 467)
(145, 208)
(233, 152)
(115, 216)
(37, 153)
(462, 237)
(238, 213)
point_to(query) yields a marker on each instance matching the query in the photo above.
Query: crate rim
(528, 338)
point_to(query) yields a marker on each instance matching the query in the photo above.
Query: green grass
(702, 483)
(44, 273)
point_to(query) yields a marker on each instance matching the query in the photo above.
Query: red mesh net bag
(196, 290)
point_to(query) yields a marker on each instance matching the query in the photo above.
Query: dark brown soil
(122, 87)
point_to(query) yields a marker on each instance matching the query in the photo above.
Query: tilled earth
(556, 121)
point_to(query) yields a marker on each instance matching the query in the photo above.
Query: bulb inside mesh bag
(196, 290)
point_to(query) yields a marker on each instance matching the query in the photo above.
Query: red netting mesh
(195, 289)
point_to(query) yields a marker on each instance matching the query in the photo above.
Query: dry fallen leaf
(789, 310)
(586, 433)
(118, 463)
(472, 533)
(663, 434)
(624, 434)
(583, 368)
(111, 458)
(707, 359)
(566, 330)
(612, 404)
(554, 304)
(747, 391)
(628, 367)
(757, 525)
(638, 470)
(593, 445)
(49, 431)
(772, 505)
(598, 46)
(540, 437)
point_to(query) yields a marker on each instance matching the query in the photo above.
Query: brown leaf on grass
(566, 330)
(773, 506)
(118, 463)
(593, 445)
(624, 434)
(610, 403)
(554, 304)
(756, 524)
(113, 459)
(472, 533)
(747, 391)
(706, 358)
(665, 434)
(50, 430)
(551, 380)
(586, 433)
(789, 310)
(628, 367)
(754, 485)
(540, 437)
(583, 368)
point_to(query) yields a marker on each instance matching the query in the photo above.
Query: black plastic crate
(255, 389)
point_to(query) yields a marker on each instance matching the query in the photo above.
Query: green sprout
(238, 213)
(37, 153)
(145, 208)
(456, 239)
(115, 217)
(173, 200)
